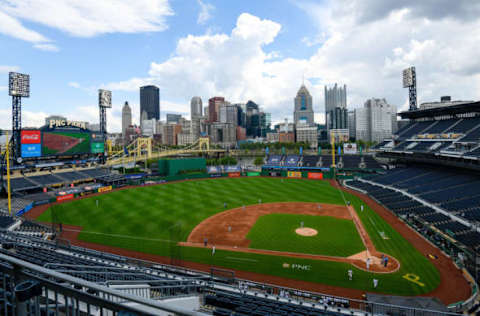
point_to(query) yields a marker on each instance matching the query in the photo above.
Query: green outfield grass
(148, 219)
(277, 232)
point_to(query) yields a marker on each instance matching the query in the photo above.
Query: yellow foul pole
(332, 140)
(7, 155)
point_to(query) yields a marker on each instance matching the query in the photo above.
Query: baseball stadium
(152, 230)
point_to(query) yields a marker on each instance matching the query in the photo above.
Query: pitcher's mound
(305, 231)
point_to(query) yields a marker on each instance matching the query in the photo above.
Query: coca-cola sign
(30, 137)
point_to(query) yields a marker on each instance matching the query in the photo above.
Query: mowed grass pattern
(336, 237)
(151, 219)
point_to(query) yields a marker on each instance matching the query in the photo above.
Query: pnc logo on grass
(296, 266)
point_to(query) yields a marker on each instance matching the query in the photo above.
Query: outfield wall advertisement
(294, 174)
(315, 175)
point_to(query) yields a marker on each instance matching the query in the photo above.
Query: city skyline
(68, 60)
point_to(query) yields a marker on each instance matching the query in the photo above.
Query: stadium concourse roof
(470, 107)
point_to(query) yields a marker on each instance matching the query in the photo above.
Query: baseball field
(165, 219)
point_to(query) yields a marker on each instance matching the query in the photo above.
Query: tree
(258, 161)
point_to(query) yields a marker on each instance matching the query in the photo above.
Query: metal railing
(28, 289)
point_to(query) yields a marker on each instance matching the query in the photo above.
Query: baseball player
(375, 283)
(350, 275)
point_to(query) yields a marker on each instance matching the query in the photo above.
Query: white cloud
(10, 26)
(6, 69)
(47, 47)
(3, 88)
(86, 18)
(74, 84)
(205, 13)
(368, 57)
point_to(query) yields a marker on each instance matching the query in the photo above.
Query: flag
(319, 150)
(301, 150)
(283, 150)
(125, 150)
(339, 150)
(266, 151)
(360, 150)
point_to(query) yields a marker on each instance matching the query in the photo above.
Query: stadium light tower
(18, 87)
(104, 103)
(410, 82)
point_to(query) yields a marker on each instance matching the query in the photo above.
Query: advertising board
(30, 150)
(105, 189)
(64, 197)
(294, 174)
(233, 174)
(349, 148)
(30, 137)
(97, 148)
(253, 174)
(315, 175)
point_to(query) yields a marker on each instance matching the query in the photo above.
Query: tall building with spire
(126, 118)
(303, 112)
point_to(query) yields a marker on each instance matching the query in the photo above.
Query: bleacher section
(324, 161)
(436, 139)
(226, 303)
(310, 161)
(274, 160)
(455, 192)
(292, 160)
(37, 182)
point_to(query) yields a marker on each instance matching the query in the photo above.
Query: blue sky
(242, 50)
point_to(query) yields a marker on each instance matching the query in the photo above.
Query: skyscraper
(214, 105)
(150, 102)
(376, 121)
(196, 107)
(336, 115)
(228, 114)
(126, 118)
(303, 112)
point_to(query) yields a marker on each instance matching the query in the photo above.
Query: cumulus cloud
(205, 13)
(368, 57)
(82, 18)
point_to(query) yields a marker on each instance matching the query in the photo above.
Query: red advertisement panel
(315, 175)
(30, 137)
(234, 174)
(64, 197)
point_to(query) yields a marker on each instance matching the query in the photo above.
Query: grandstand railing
(26, 287)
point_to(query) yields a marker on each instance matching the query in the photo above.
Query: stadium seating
(310, 161)
(416, 129)
(454, 191)
(440, 126)
(464, 125)
(226, 303)
(274, 160)
(292, 160)
(21, 184)
(6, 221)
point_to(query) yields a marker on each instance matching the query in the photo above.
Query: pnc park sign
(66, 123)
